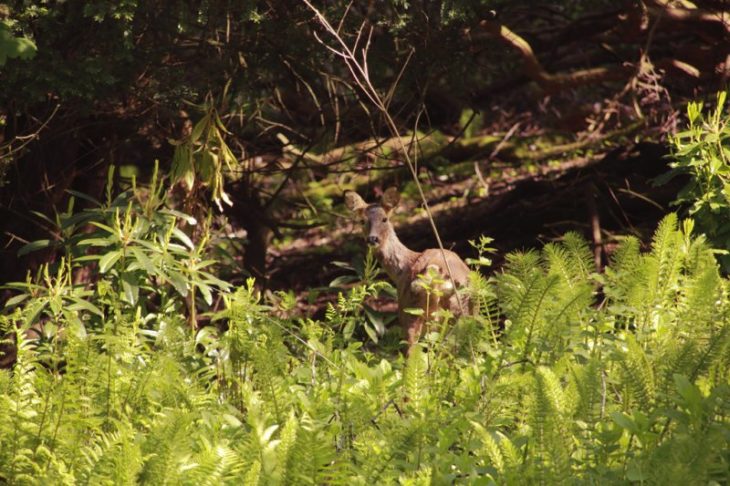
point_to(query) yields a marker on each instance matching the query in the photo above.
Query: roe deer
(423, 279)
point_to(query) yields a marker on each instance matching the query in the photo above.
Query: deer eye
(385, 220)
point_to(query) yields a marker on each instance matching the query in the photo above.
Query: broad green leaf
(108, 260)
(81, 304)
(625, 422)
(34, 310)
(34, 246)
(144, 261)
(130, 288)
(84, 196)
(179, 282)
(14, 47)
(205, 291)
(343, 280)
(189, 179)
(76, 219)
(203, 264)
(213, 280)
(372, 334)
(15, 300)
(414, 311)
(76, 327)
(106, 228)
(97, 242)
(177, 232)
(199, 128)
(376, 319)
(75, 324)
(45, 218)
(186, 217)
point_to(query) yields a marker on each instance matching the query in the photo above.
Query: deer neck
(397, 259)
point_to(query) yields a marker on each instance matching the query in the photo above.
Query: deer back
(441, 274)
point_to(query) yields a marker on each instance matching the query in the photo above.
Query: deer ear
(354, 202)
(390, 199)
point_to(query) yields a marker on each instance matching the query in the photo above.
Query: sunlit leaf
(34, 246)
(108, 260)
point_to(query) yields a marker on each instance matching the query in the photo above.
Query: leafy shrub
(703, 152)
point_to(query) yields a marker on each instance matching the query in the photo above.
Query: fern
(415, 383)
(551, 449)
(253, 475)
(212, 464)
(112, 458)
(638, 375)
(525, 294)
(490, 450)
(663, 267)
(168, 440)
(284, 453)
(590, 386)
(571, 259)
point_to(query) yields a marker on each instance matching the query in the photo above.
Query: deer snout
(373, 240)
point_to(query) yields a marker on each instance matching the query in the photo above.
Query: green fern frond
(713, 351)
(663, 266)
(490, 449)
(625, 277)
(284, 451)
(510, 453)
(550, 429)
(580, 256)
(638, 373)
(422, 477)
(253, 475)
(211, 465)
(590, 387)
(701, 295)
(572, 259)
(415, 382)
(526, 293)
(166, 444)
(113, 458)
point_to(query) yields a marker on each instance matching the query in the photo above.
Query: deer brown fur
(423, 279)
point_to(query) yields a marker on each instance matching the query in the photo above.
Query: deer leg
(413, 334)
(412, 325)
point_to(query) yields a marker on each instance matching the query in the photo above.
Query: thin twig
(361, 77)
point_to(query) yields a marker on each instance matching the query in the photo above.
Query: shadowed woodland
(486, 99)
(172, 181)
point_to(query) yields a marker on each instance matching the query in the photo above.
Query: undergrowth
(565, 376)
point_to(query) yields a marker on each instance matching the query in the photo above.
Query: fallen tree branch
(688, 13)
(536, 72)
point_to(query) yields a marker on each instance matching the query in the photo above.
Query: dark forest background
(527, 119)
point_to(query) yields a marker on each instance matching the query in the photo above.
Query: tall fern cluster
(566, 376)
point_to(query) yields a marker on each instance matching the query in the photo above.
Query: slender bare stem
(359, 72)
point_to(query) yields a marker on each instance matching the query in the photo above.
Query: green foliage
(138, 248)
(203, 155)
(547, 385)
(702, 151)
(347, 315)
(14, 47)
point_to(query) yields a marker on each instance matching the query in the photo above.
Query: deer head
(377, 216)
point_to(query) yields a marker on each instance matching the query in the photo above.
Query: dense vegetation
(564, 373)
(147, 338)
